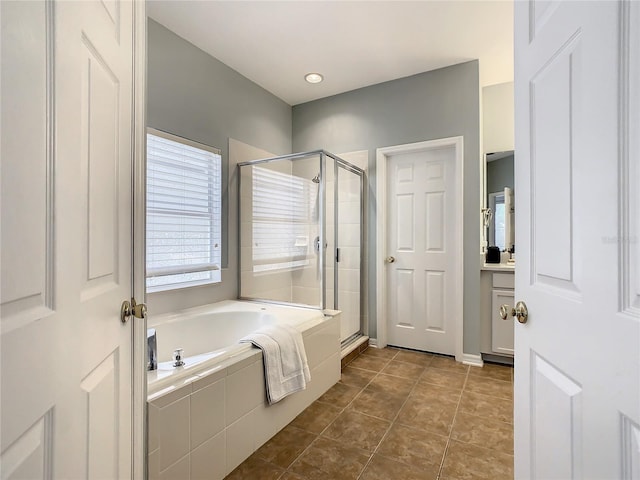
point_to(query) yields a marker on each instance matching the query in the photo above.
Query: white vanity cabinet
(497, 288)
(501, 330)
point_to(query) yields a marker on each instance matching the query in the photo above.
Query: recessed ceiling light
(313, 77)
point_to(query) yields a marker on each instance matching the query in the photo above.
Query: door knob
(389, 259)
(520, 312)
(128, 308)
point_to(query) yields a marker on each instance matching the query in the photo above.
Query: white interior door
(67, 71)
(577, 359)
(422, 249)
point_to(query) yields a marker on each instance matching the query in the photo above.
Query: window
(497, 230)
(184, 211)
(282, 212)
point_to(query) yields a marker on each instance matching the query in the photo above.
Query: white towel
(286, 370)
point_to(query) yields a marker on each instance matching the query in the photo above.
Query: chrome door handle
(389, 260)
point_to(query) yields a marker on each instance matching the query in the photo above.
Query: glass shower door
(280, 228)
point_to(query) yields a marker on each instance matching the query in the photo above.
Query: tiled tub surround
(398, 415)
(204, 421)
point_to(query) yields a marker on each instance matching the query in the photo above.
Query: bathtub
(209, 415)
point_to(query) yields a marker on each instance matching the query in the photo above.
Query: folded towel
(286, 370)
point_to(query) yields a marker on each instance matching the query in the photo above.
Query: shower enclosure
(301, 234)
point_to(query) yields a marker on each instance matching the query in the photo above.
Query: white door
(577, 359)
(66, 239)
(422, 249)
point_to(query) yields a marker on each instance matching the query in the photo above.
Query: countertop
(498, 267)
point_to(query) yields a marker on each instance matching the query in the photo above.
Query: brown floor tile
(385, 353)
(356, 377)
(413, 447)
(490, 370)
(378, 404)
(403, 369)
(448, 363)
(327, 459)
(419, 358)
(390, 384)
(316, 417)
(411, 409)
(485, 406)
(285, 446)
(436, 393)
(489, 386)
(255, 469)
(340, 395)
(382, 468)
(291, 476)
(424, 415)
(357, 429)
(444, 378)
(482, 432)
(369, 362)
(469, 462)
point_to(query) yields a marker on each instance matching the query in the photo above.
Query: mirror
(498, 200)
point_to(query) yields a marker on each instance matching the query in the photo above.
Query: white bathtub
(211, 414)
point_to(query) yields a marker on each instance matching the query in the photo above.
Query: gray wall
(500, 175)
(437, 104)
(193, 95)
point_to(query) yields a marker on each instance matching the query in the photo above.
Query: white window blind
(282, 214)
(184, 208)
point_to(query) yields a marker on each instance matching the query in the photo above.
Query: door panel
(630, 169)
(577, 391)
(553, 92)
(558, 402)
(66, 239)
(435, 290)
(27, 120)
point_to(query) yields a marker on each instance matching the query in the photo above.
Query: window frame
(215, 222)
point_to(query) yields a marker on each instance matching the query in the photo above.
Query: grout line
(340, 413)
(453, 422)
(392, 424)
(395, 418)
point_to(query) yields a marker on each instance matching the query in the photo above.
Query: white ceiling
(353, 44)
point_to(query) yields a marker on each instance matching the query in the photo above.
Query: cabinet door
(501, 330)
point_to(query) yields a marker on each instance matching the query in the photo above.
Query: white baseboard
(373, 342)
(473, 360)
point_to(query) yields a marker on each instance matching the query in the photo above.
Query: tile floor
(398, 414)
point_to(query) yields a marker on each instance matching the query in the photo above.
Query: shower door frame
(322, 195)
(340, 163)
